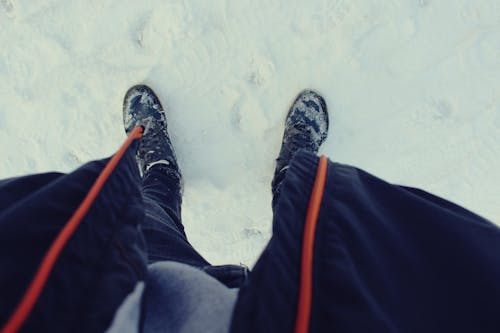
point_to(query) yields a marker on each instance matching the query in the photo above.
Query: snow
(413, 87)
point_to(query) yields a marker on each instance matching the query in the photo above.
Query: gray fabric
(178, 298)
(128, 315)
(181, 298)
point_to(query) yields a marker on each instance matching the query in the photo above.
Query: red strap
(34, 290)
(305, 291)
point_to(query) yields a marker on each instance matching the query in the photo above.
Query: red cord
(34, 290)
(305, 291)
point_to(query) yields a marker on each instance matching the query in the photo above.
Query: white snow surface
(413, 87)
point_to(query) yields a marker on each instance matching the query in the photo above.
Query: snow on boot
(306, 127)
(141, 107)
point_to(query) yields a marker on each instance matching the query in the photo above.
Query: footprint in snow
(423, 3)
(7, 6)
(262, 70)
(442, 109)
(249, 118)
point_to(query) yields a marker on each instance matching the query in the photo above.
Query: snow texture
(413, 88)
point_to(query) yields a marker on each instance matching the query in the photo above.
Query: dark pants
(164, 232)
(162, 228)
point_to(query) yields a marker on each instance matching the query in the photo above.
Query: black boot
(306, 127)
(141, 107)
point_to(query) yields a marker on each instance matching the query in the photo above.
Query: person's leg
(306, 127)
(165, 190)
(162, 227)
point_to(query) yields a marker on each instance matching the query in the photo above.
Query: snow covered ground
(413, 87)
